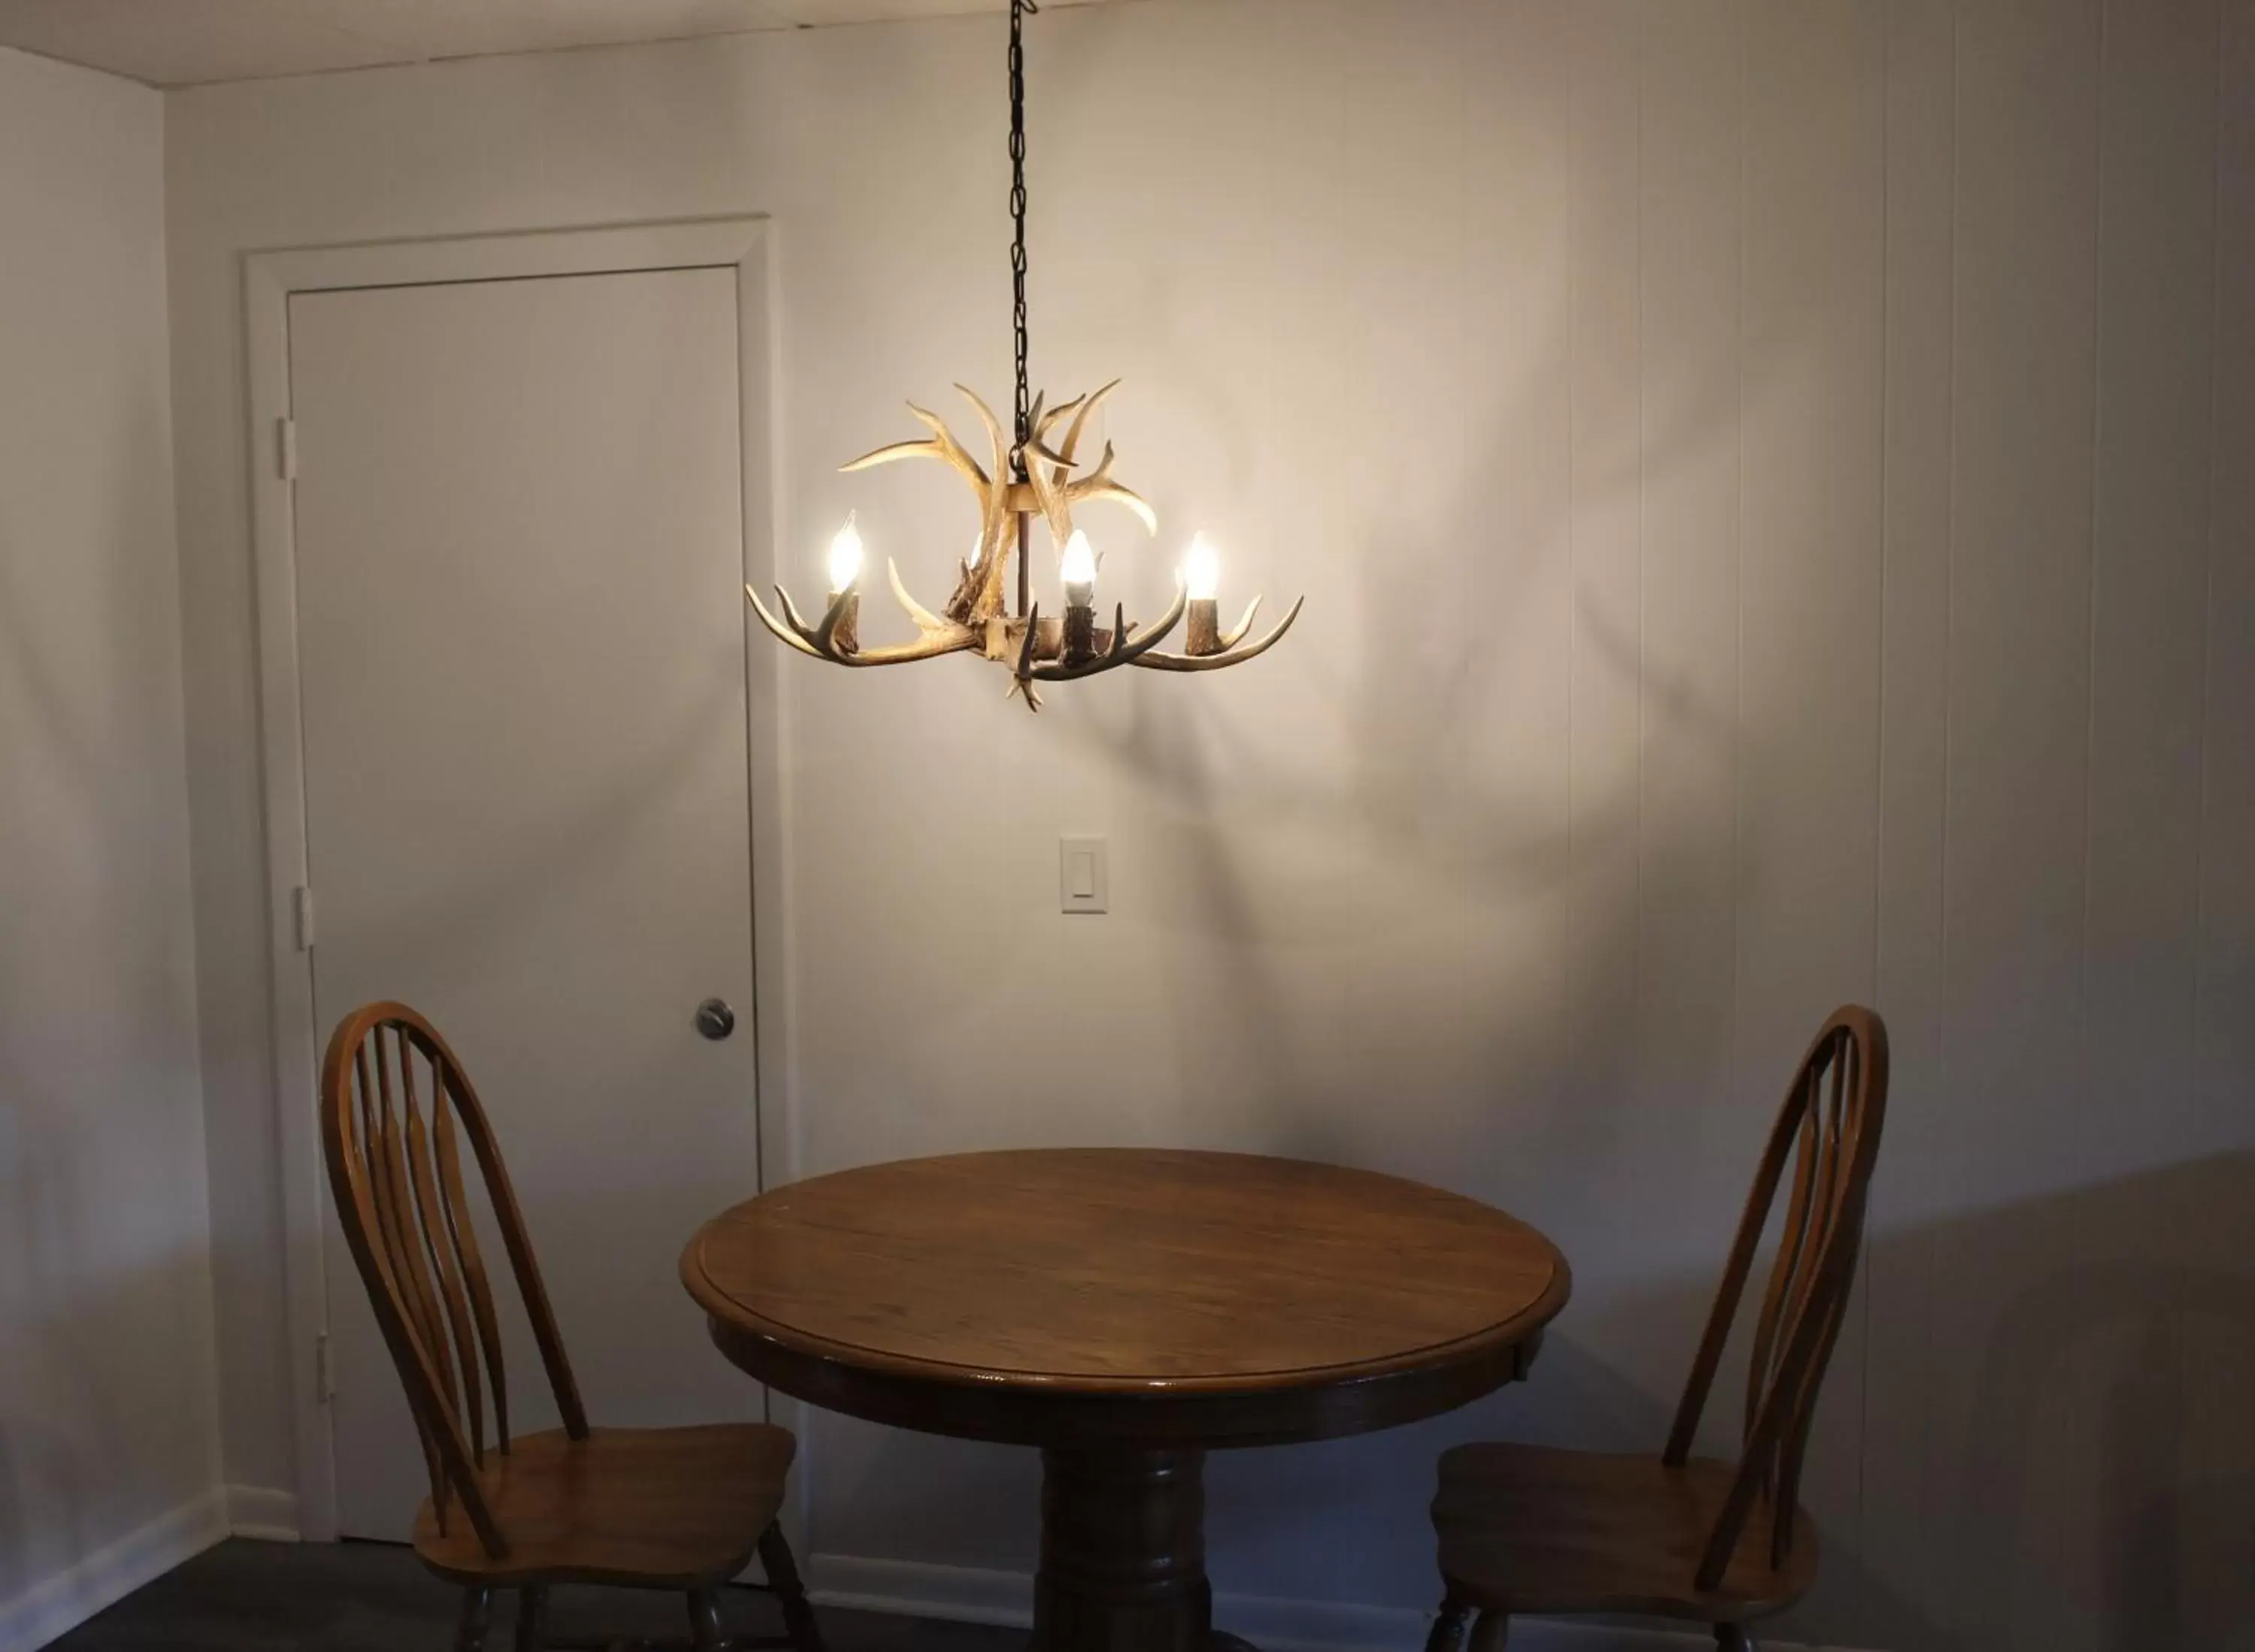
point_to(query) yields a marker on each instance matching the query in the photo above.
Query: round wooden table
(1125, 1310)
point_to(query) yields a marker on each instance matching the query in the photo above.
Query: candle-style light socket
(1202, 626)
(847, 636)
(1078, 641)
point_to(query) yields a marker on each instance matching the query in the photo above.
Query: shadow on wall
(2085, 1480)
(1423, 769)
(2088, 1479)
(1443, 978)
(2086, 1476)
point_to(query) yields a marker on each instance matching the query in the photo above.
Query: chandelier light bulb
(1079, 570)
(1202, 570)
(845, 559)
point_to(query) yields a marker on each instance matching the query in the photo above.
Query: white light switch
(1083, 883)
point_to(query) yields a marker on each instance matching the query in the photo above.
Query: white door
(520, 571)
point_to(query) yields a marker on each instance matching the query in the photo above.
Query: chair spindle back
(405, 1210)
(1830, 1129)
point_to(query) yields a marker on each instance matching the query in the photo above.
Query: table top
(1123, 1295)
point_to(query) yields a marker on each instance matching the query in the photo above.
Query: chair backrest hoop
(1829, 1128)
(402, 1204)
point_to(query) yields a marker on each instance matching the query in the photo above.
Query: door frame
(744, 245)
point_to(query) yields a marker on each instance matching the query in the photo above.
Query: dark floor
(260, 1596)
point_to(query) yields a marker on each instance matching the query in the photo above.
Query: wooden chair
(1527, 1529)
(682, 1509)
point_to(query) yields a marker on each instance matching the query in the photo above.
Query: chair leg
(531, 1617)
(790, 1593)
(704, 1620)
(476, 1615)
(1448, 1632)
(1490, 1631)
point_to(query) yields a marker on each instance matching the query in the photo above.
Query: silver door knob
(715, 1020)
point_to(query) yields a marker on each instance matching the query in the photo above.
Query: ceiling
(192, 42)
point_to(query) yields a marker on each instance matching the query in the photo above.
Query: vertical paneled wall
(1773, 480)
(109, 1443)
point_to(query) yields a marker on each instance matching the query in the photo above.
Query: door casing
(744, 245)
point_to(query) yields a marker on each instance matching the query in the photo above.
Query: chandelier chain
(1018, 8)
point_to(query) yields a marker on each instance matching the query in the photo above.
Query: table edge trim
(1432, 1357)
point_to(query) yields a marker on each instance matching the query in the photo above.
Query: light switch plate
(1084, 879)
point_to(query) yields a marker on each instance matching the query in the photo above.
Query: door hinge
(325, 1370)
(302, 905)
(285, 448)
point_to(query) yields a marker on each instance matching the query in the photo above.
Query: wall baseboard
(261, 1512)
(966, 1594)
(69, 1597)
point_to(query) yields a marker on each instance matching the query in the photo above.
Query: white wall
(1770, 482)
(109, 1447)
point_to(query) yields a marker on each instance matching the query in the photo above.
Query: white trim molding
(743, 244)
(102, 1578)
(915, 1589)
(966, 1594)
(264, 1512)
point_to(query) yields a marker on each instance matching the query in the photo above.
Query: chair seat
(1524, 1529)
(659, 1508)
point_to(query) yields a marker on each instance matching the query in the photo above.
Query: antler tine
(982, 596)
(1120, 654)
(791, 613)
(954, 639)
(1126, 496)
(1230, 639)
(926, 449)
(993, 431)
(1022, 678)
(1072, 443)
(1101, 474)
(954, 451)
(1044, 422)
(926, 621)
(1053, 490)
(1232, 657)
(1098, 484)
(783, 633)
(1047, 475)
(941, 445)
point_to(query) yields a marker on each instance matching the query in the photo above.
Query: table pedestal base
(1123, 1553)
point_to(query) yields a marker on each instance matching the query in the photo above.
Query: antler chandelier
(1032, 474)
